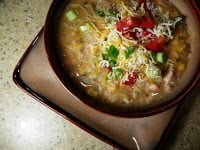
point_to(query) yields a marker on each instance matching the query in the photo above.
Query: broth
(130, 52)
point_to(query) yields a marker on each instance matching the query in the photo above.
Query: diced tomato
(133, 35)
(120, 25)
(157, 45)
(127, 23)
(132, 78)
(147, 23)
(145, 33)
(136, 35)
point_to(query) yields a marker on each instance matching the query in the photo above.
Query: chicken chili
(125, 52)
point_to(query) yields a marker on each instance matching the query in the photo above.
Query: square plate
(34, 75)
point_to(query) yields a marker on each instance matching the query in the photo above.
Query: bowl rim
(151, 111)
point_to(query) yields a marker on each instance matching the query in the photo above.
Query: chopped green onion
(153, 72)
(112, 52)
(100, 13)
(109, 12)
(153, 55)
(85, 27)
(112, 12)
(118, 72)
(161, 57)
(112, 63)
(71, 15)
(129, 51)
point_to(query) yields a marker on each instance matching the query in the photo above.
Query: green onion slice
(129, 51)
(161, 57)
(71, 15)
(112, 52)
(85, 27)
(153, 72)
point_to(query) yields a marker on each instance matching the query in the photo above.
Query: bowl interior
(190, 76)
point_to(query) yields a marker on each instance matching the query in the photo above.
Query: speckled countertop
(26, 124)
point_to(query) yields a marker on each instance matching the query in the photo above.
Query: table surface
(26, 124)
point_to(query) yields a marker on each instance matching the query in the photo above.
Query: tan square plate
(34, 75)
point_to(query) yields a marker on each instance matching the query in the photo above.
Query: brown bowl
(190, 77)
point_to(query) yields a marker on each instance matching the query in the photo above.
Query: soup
(124, 52)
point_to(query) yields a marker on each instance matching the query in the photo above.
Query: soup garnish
(125, 52)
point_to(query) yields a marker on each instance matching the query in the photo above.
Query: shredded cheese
(104, 34)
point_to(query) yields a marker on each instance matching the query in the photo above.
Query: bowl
(190, 77)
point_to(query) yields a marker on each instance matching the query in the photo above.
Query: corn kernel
(181, 66)
(92, 92)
